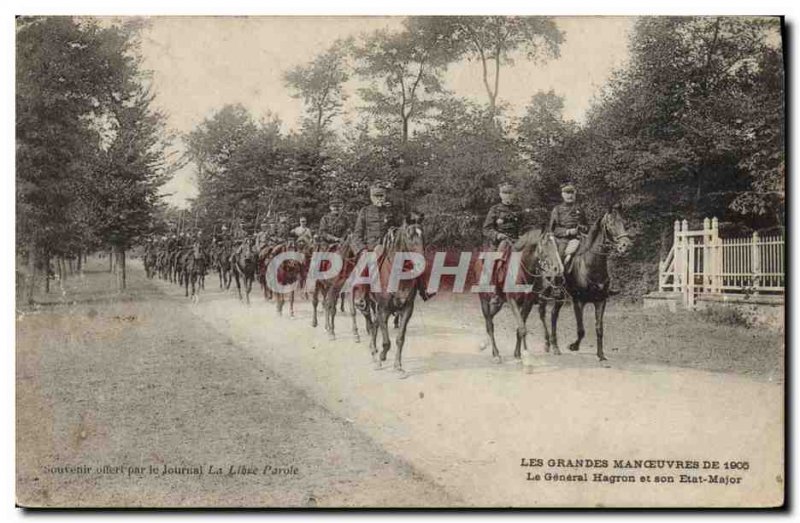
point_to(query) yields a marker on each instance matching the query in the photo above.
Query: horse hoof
(357, 339)
(574, 347)
(497, 359)
(401, 374)
(602, 358)
(547, 348)
(331, 337)
(556, 351)
(377, 365)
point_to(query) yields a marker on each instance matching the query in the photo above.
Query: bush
(725, 315)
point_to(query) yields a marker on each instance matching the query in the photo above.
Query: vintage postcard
(432, 262)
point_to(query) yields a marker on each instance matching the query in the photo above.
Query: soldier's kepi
(502, 227)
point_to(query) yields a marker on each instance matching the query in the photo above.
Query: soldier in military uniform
(262, 237)
(302, 233)
(334, 226)
(373, 221)
(501, 228)
(567, 223)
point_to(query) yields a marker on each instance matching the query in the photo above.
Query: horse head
(614, 231)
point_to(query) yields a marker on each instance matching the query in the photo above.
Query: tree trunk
(47, 272)
(79, 262)
(120, 267)
(110, 261)
(405, 129)
(31, 272)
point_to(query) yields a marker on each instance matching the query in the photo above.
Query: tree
(69, 75)
(121, 193)
(493, 40)
(320, 84)
(405, 72)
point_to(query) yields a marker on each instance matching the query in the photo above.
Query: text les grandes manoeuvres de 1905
(636, 471)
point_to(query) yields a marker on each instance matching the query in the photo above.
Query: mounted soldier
(373, 221)
(334, 226)
(302, 233)
(262, 237)
(501, 229)
(568, 223)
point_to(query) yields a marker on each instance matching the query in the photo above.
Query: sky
(200, 64)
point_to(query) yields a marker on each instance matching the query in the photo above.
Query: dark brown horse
(244, 264)
(533, 256)
(586, 280)
(193, 265)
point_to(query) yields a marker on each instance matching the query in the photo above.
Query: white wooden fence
(702, 262)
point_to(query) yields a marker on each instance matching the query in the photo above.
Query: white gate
(701, 262)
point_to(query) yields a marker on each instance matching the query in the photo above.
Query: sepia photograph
(315, 262)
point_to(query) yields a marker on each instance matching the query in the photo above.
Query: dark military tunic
(372, 224)
(567, 216)
(334, 226)
(281, 232)
(503, 219)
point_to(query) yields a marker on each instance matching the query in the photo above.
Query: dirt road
(108, 384)
(467, 424)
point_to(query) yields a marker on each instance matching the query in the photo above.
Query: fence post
(756, 254)
(707, 239)
(678, 259)
(716, 256)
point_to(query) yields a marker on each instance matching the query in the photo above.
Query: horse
(150, 263)
(289, 272)
(244, 263)
(383, 304)
(534, 257)
(221, 256)
(586, 279)
(331, 289)
(193, 263)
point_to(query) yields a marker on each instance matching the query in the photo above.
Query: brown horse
(534, 258)
(193, 265)
(331, 289)
(407, 238)
(290, 272)
(586, 280)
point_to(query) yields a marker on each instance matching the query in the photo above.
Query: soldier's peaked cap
(568, 187)
(377, 187)
(507, 187)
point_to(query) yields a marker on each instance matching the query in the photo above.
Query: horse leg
(185, 282)
(577, 306)
(542, 316)
(401, 338)
(291, 304)
(314, 303)
(235, 275)
(525, 311)
(599, 312)
(488, 317)
(353, 315)
(341, 297)
(383, 324)
(554, 326)
(248, 286)
(396, 320)
(522, 330)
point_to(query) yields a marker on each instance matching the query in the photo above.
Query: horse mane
(529, 238)
(591, 238)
